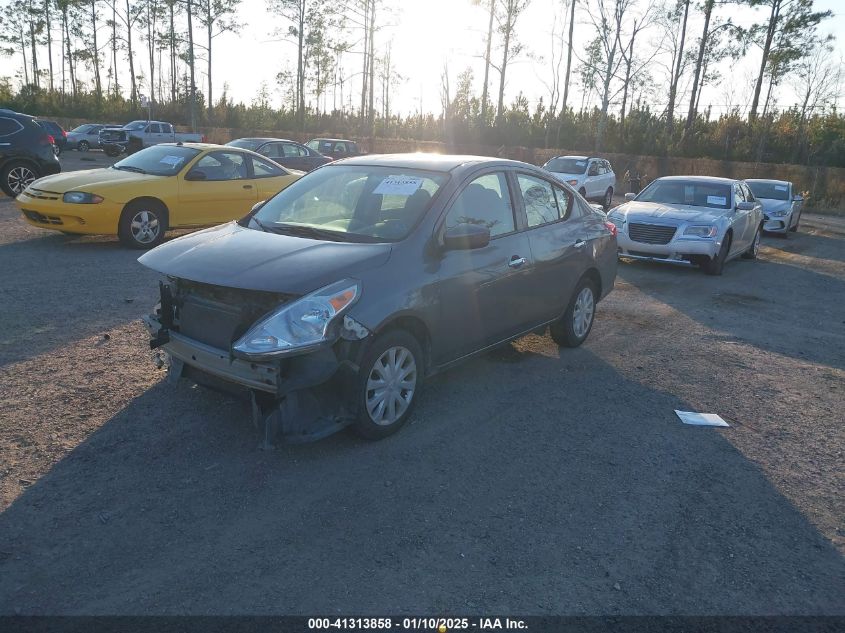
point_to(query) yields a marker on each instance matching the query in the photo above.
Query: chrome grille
(651, 233)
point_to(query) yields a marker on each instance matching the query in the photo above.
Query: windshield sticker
(171, 160)
(580, 163)
(780, 187)
(398, 186)
(719, 200)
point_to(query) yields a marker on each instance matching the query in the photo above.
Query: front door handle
(516, 261)
(580, 243)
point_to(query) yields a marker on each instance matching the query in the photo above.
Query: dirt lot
(530, 481)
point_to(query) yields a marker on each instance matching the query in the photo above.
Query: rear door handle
(247, 186)
(516, 261)
(580, 243)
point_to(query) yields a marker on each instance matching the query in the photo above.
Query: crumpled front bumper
(778, 224)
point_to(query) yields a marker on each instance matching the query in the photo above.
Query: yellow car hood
(89, 180)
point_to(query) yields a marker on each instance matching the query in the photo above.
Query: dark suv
(57, 132)
(26, 152)
(335, 148)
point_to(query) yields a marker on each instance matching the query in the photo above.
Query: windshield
(135, 125)
(158, 160)
(353, 203)
(769, 190)
(567, 165)
(246, 143)
(688, 192)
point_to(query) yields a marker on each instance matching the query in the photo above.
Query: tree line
(638, 81)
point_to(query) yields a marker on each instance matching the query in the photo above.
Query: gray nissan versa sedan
(328, 304)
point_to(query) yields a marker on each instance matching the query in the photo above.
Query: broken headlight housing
(302, 324)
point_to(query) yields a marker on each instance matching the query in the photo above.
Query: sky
(428, 35)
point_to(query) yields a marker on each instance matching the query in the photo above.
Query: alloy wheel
(20, 178)
(582, 314)
(145, 227)
(391, 385)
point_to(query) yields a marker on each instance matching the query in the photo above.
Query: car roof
(769, 181)
(429, 162)
(332, 140)
(701, 179)
(572, 156)
(202, 146)
(266, 139)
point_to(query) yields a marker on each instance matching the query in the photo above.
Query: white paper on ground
(701, 419)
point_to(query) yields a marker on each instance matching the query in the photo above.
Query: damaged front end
(292, 357)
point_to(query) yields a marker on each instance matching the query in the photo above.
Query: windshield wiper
(137, 170)
(308, 231)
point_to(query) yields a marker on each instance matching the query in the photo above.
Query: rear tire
(17, 176)
(752, 251)
(608, 198)
(142, 224)
(387, 384)
(83, 146)
(717, 264)
(574, 326)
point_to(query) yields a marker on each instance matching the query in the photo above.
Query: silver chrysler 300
(693, 220)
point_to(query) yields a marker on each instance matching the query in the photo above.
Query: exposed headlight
(572, 182)
(302, 324)
(701, 231)
(80, 197)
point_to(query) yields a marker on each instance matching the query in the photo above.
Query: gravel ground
(531, 480)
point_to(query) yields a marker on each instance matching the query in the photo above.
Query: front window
(158, 160)
(567, 165)
(688, 192)
(539, 199)
(770, 190)
(352, 203)
(485, 202)
(222, 166)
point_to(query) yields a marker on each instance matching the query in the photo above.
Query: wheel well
(15, 160)
(150, 200)
(593, 275)
(417, 328)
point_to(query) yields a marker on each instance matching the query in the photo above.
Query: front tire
(752, 251)
(717, 264)
(15, 177)
(575, 325)
(142, 224)
(387, 384)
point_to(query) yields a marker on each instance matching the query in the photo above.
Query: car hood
(775, 205)
(236, 257)
(566, 177)
(647, 211)
(90, 179)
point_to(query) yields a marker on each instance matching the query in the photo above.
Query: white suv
(592, 177)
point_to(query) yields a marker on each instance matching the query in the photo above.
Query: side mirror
(744, 206)
(464, 237)
(195, 174)
(630, 196)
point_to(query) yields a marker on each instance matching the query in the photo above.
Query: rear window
(245, 143)
(9, 126)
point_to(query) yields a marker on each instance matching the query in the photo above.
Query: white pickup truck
(140, 134)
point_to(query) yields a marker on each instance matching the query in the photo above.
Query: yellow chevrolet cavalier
(159, 188)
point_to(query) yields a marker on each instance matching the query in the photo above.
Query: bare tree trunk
(676, 75)
(48, 26)
(708, 10)
(365, 74)
(35, 79)
(300, 69)
(371, 105)
(98, 87)
(134, 87)
(22, 38)
(629, 60)
(501, 105)
(484, 95)
(770, 33)
(210, 27)
(69, 54)
(114, 47)
(172, 56)
(192, 89)
(568, 58)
